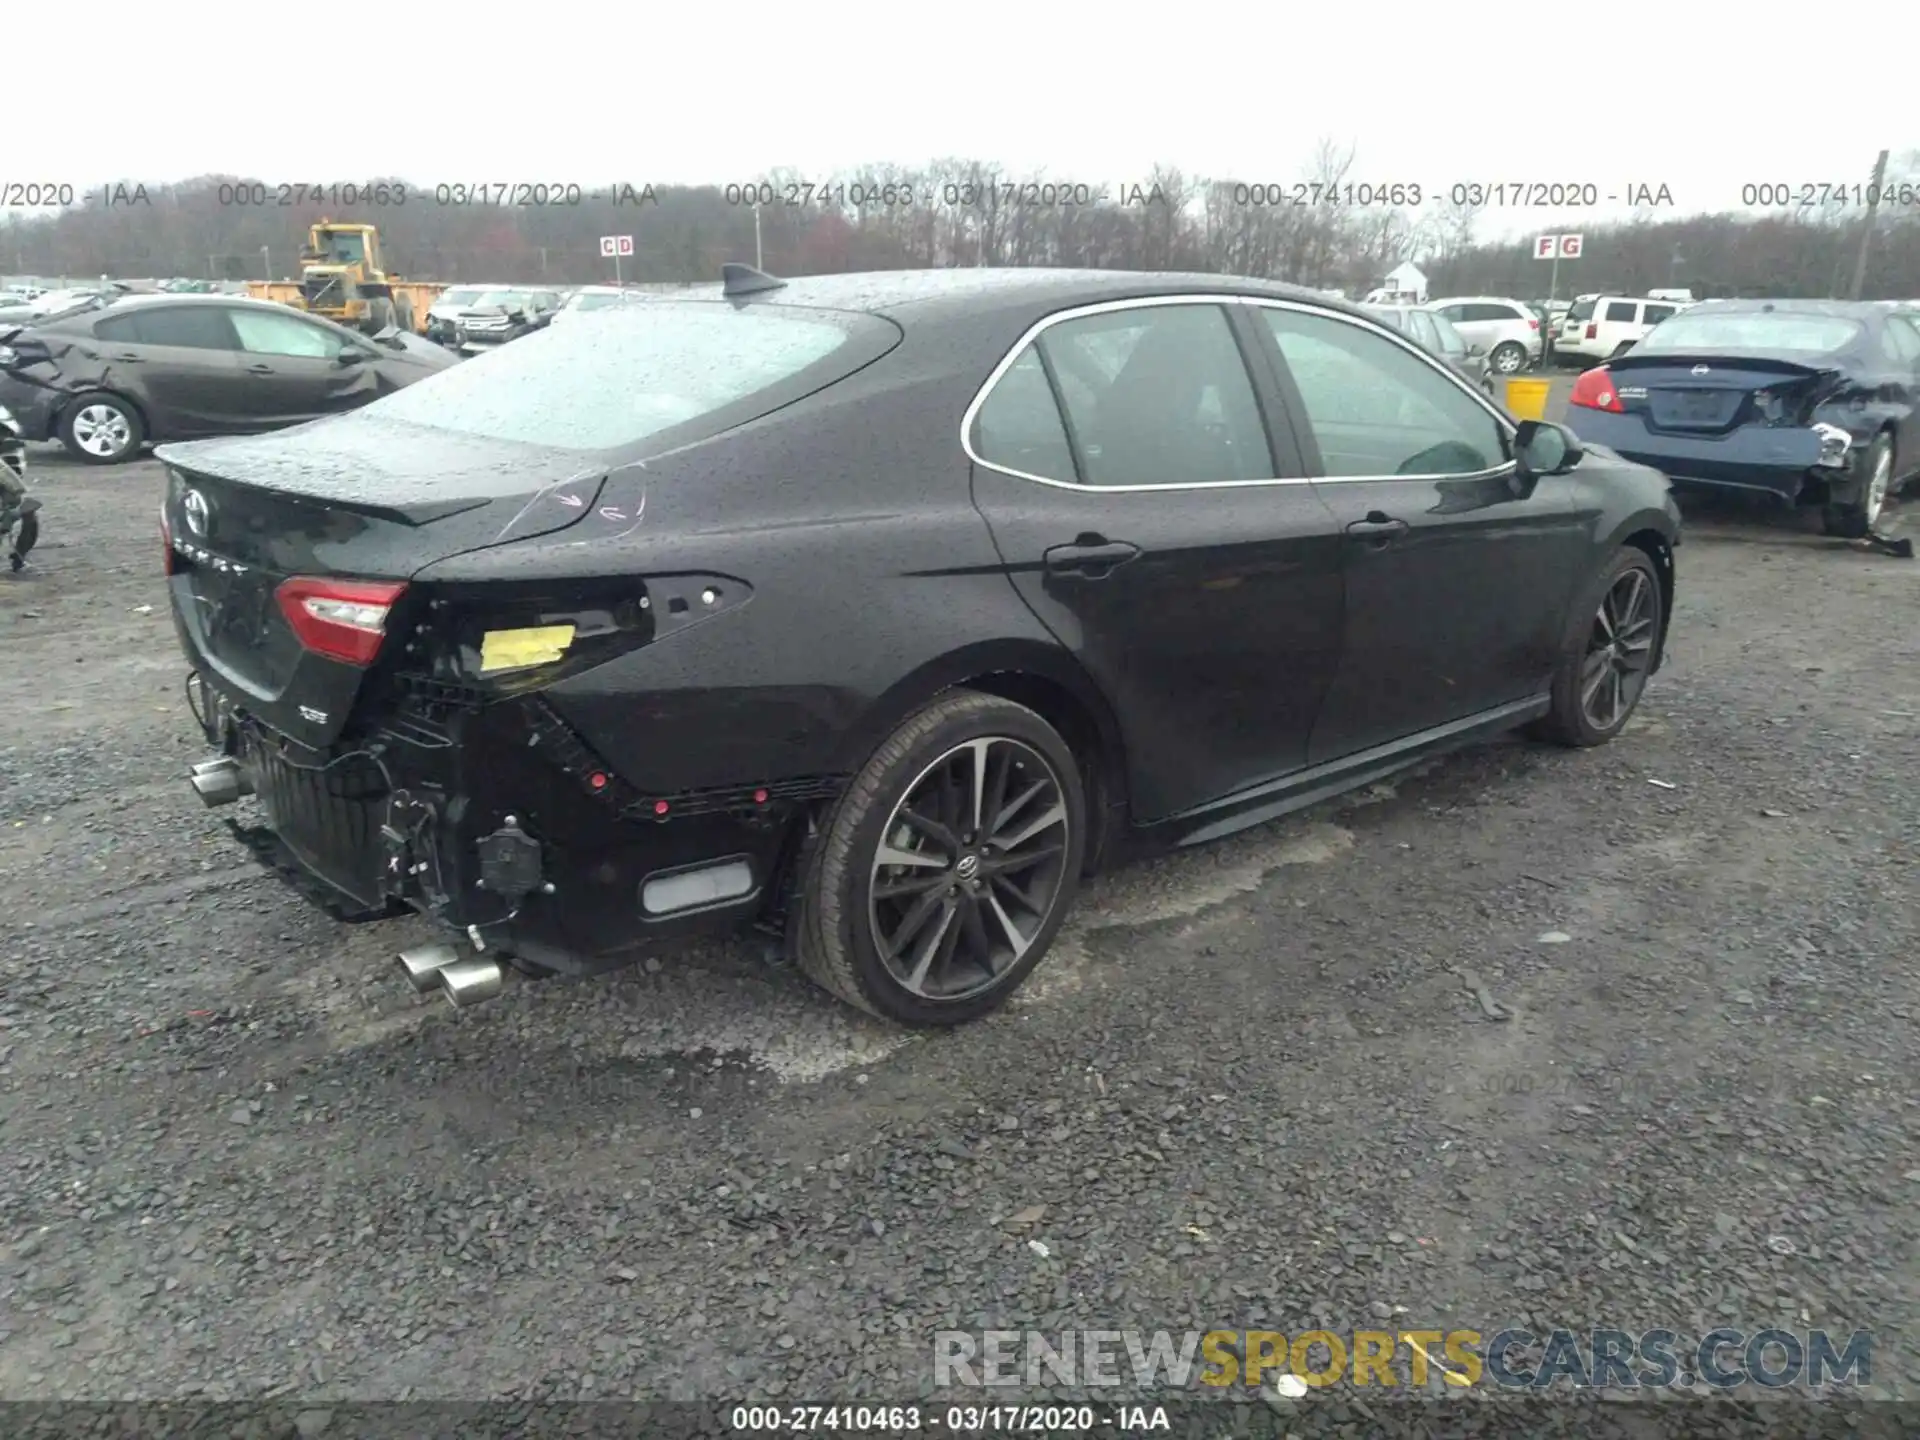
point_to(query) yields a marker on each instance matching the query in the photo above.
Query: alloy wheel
(970, 868)
(1875, 497)
(1508, 358)
(1619, 651)
(101, 430)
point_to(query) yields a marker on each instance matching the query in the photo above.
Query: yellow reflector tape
(517, 649)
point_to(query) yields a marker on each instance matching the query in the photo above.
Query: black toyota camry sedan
(878, 610)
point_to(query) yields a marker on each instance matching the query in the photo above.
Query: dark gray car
(109, 377)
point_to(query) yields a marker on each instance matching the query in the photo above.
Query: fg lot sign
(1556, 247)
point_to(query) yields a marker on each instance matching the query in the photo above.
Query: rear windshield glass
(1582, 310)
(627, 377)
(1389, 317)
(1751, 330)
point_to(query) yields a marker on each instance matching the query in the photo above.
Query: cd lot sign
(613, 247)
(1557, 247)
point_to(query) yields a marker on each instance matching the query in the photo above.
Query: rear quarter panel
(874, 581)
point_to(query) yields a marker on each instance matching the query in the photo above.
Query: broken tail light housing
(343, 620)
(1594, 390)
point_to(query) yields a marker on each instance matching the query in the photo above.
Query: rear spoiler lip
(1728, 360)
(412, 516)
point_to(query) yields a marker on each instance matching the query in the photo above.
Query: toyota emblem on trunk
(195, 508)
(1699, 369)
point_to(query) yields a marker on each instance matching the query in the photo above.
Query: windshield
(460, 295)
(1390, 317)
(1751, 330)
(508, 298)
(598, 300)
(613, 383)
(1582, 310)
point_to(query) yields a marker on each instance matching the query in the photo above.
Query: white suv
(1599, 327)
(1507, 329)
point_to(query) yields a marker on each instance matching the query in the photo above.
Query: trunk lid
(1712, 394)
(354, 497)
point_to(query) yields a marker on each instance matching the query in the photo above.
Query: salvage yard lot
(1249, 1088)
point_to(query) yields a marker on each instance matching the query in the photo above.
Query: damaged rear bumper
(1784, 461)
(501, 838)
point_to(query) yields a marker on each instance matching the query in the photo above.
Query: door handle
(129, 359)
(259, 369)
(1380, 529)
(1377, 527)
(1090, 557)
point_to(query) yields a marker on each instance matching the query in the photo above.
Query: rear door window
(1424, 333)
(1903, 338)
(1018, 426)
(1580, 310)
(189, 327)
(1622, 310)
(1654, 314)
(1158, 396)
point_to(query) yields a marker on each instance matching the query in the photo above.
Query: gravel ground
(1249, 1089)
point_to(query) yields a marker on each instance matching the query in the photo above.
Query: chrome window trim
(1144, 302)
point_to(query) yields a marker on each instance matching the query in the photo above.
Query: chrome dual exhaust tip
(220, 782)
(468, 982)
(463, 982)
(422, 965)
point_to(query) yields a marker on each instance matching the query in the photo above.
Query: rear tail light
(1593, 330)
(343, 620)
(1594, 391)
(1533, 324)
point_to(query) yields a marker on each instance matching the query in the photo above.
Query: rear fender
(1041, 659)
(69, 369)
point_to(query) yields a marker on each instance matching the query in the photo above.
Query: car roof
(188, 297)
(1843, 309)
(922, 296)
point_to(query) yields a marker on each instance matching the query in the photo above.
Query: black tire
(834, 938)
(84, 416)
(1569, 721)
(1852, 513)
(1509, 357)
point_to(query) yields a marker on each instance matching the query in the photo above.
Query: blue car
(1813, 401)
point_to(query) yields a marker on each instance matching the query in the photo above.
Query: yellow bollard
(1527, 398)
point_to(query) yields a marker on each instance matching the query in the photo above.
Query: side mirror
(352, 355)
(1541, 447)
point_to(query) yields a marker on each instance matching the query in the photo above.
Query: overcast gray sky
(1616, 94)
